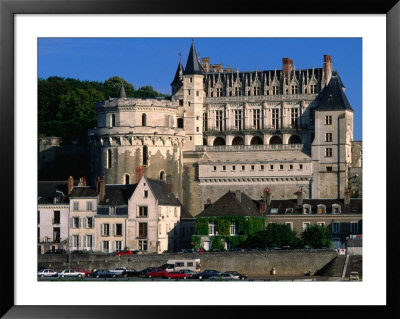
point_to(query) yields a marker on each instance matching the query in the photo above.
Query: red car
(86, 272)
(177, 275)
(157, 273)
(122, 252)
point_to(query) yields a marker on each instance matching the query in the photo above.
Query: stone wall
(289, 263)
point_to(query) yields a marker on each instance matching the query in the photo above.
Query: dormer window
(306, 209)
(336, 209)
(321, 209)
(289, 211)
(274, 210)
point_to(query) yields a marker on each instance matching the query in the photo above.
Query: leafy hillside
(66, 106)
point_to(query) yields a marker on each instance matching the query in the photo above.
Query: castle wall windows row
(258, 167)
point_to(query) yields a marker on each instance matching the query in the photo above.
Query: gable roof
(229, 205)
(83, 192)
(118, 195)
(162, 193)
(333, 97)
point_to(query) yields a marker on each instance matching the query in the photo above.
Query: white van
(180, 264)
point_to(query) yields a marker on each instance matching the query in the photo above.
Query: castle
(223, 129)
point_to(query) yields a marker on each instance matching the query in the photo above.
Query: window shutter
(71, 222)
(114, 245)
(93, 219)
(85, 222)
(85, 241)
(102, 229)
(114, 229)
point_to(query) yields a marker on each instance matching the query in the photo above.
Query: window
(233, 229)
(321, 209)
(205, 121)
(243, 167)
(76, 206)
(56, 234)
(261, 167)
(112, 124)
(89, 206)
(329, 168)
(289, 224)
(56, 217)
(162, 175)
(306, 225)
(180, 102)
(109, 158)
(294, 114)
(142, 230)
(321, 223)
(306, 209)
(281, 167)
(275, 118)
(189, 90)
(75, 241)
(218, 120)
(118, 245)
(105, 230)
(275, 90)
(75, 222)
(38, 216)
(336, 209)
(294, 89)
(142, 245)
(353, 227)
(233, 168)
(145, 155)
(197, 93)
(328, 120)
(256, 90)
(197, 129)
(190, 80)
(88, 241)
(145, 194)
(335, 228)
(290, 166)
(237, 91)
(90, 222)
(214, 168)
(256, 119)
(238, 120)
(271, 167)
(127, 179)
(252, 167)
(142, 211)
(300, 166)
(328, 152)
(328, 137)
(180, 122)
(289, 211)
(118, 230)
(212, 228)
(313, 89)
(106, 246)
(223, 167)
(219, 92)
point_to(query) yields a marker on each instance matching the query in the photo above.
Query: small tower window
(162, 175)
(144, 120)
(109, 158)
(126, 178)
(145, 155)
(112, 120)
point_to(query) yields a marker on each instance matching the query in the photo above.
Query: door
(207, 245)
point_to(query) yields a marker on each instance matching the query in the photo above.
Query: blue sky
(153, 61)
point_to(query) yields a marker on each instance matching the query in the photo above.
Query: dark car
(103, 273)
(56, 251)
(206, 274)
(79, 252)
(236, 274)
(132, 273)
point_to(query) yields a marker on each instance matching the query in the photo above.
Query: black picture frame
(8, 10)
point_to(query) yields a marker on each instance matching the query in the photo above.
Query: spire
(192, 65)
(179, 73)
(122, 93)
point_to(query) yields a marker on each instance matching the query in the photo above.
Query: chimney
(238, 195)
(70, 184)
(267, 198)
(139, 173)
(328, 68)
(98, 184)
(299, 197)
(347, 197)
(287, 66)
(102, 189)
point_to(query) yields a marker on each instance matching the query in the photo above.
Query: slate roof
(179, 71)
(162, 193)
(47, 190)
(332, 96)
(185, 214)
(229, 205)
(192, 65)
(117, 195)
(83, 192)
(355, 206)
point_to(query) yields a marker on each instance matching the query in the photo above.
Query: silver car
(47, 273)
(71, 273)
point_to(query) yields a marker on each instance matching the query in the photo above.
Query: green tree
(276, 235)
(112, 87)
(147, 91)
(317, 236)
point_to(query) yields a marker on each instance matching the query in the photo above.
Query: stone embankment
(285, 262)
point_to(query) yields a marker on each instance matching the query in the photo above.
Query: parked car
(178, 275)
(86, 272)
(122, 252)
(47, 273)
(103, 273)
(157, 273)
(56, 251)
(70, 273)
(354, 276)
(286, 247)
(119, 271)
(188, 272)
(223, 277)
(132, 273)
(236, 274)
(144, 272)
(186, 251)
(206, 274)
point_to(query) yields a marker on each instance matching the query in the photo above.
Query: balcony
(235, 148)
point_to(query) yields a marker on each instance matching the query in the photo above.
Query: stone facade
(225, 130)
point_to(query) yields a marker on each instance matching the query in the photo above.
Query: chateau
(228, 130)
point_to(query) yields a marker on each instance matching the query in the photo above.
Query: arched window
(162, 175)
(238, 140)
(275, 140)
(112, 120)
(180, 123)
(144, 120)
(145, 155)
(126, 178)
(294, 139)
(108, 158)
(256, 140)
(219, 141)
